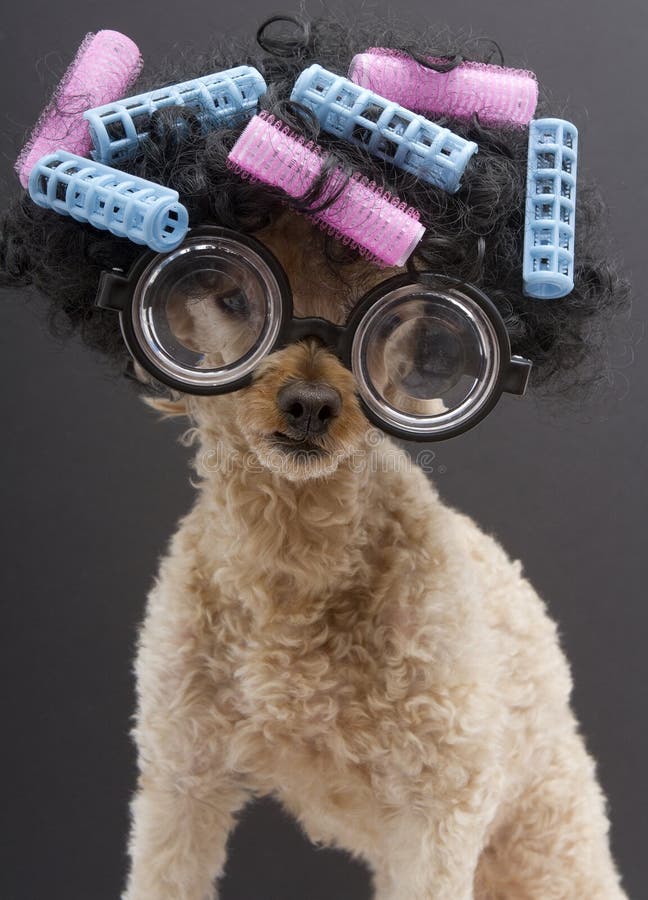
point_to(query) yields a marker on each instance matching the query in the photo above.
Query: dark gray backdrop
(92, 487)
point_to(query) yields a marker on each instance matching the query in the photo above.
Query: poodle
(326, 630)
(323, 628)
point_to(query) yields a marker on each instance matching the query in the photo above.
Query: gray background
(92, 487)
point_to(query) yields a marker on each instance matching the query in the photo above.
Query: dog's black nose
(309, 407)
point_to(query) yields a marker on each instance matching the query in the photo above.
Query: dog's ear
(168, 407)
(169, 404)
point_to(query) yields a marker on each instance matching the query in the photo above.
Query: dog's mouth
(296, 458)
(303, 448)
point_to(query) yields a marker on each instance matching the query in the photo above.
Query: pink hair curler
(499, 96)
(105, 66)
(378, 225)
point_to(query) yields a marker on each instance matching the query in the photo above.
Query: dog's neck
(269, 543)
(286, 525)
(310, 539)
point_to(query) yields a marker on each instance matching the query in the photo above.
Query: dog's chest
(328, 689)
(302, 674)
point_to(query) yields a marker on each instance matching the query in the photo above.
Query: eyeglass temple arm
(517, 375)
(114, 291)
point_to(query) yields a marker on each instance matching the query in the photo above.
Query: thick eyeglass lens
(213, 314)
(208, 312)
(425, 360)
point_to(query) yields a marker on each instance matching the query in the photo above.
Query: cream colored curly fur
(343, 640)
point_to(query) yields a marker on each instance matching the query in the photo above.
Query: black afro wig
(475, 234)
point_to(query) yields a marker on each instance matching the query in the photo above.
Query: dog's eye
(234, 302)
(390, 324)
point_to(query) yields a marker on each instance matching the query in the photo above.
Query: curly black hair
(475, 234)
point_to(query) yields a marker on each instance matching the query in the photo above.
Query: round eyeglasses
(430, 354)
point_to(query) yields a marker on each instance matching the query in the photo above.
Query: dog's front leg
(178, 837)
(423, 878)
(187, 794)
(431, 860)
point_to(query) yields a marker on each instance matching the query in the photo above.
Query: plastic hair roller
(106, 65)
(375, 223)
(386, 129)
(498, 95)
(118, 128)
(548, 268)
(127, 206)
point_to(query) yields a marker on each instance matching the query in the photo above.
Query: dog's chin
(296, 460)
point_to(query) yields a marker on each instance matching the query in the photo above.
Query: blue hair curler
(118, 128)
(387, 130)
(548, 268)
(127, 206)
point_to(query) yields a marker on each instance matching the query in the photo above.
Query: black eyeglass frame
(117, 291)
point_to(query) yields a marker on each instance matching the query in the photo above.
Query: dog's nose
(309, 407)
